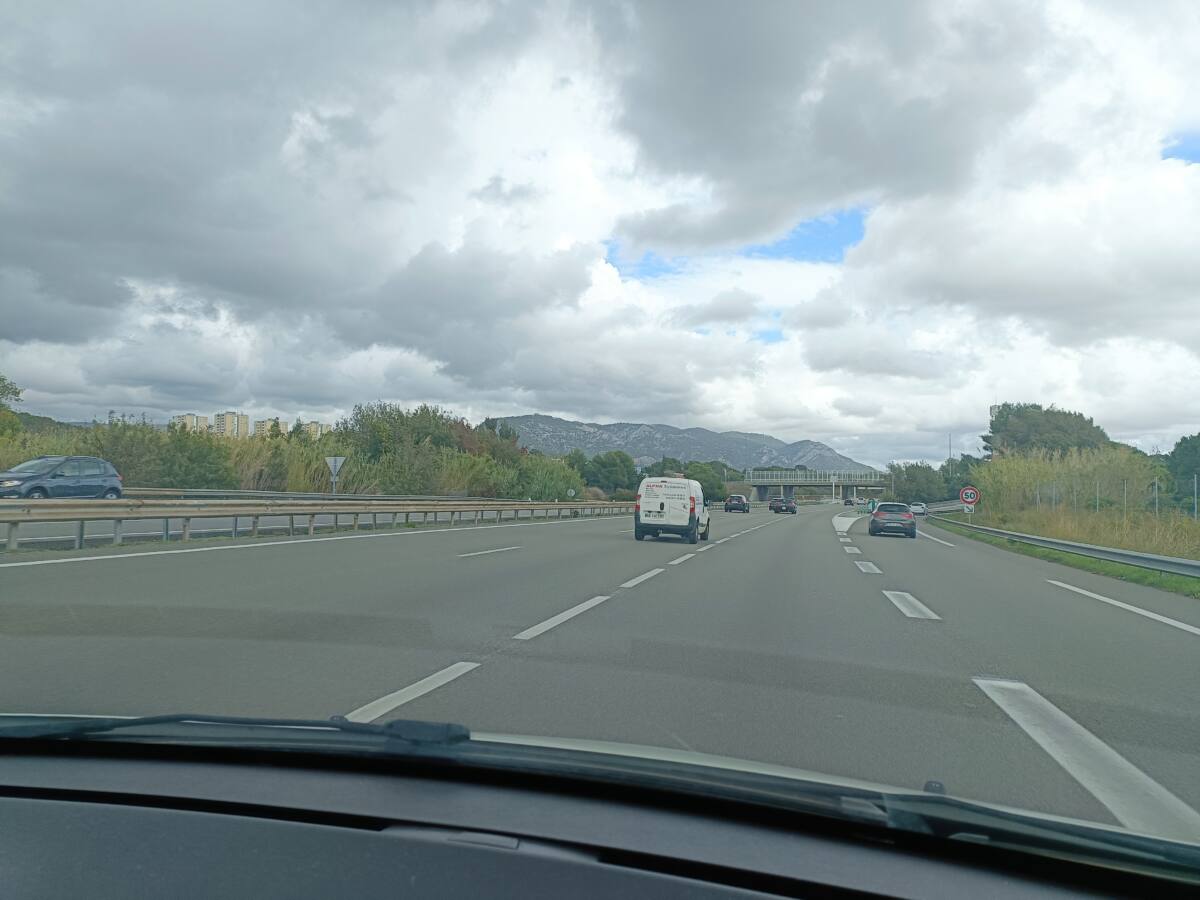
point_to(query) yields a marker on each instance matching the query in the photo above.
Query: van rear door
(666, 501)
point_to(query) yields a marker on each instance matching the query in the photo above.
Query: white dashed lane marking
(910, 605)
(1133, 797)
(486, 552)
(385, 704)
(645, 576)
(869, 567)
(543, 627)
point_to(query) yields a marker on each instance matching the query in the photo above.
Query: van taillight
(637, 503)
(692, 508)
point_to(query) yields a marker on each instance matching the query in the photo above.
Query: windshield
(36, 466)
(443, 329)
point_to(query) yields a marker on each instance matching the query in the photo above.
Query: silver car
(918, 508)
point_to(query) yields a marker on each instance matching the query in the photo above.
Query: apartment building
(315, 429)
(231, 424)
(262, 427)
(190, 422)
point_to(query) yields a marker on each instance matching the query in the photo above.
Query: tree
(9, 392)
(577, 460)
(665, 466)
(710, 481)
(958, 473)
(196, 460)
(274, 431)
(1020, 427)
(611, 471)
(1183, 462)
(917, 481)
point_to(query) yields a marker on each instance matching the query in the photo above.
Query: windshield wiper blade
(411, 732)
(958, 819)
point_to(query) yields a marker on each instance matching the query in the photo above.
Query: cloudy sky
(860, 223)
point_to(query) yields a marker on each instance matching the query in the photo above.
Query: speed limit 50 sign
(969, 495)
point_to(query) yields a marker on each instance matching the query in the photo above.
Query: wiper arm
(958, 819)
(410, 732)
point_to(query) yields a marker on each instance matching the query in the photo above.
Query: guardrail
(1172, 564)
(143, 493)
(401, 513)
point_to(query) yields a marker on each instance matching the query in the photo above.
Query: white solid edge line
(722, 540)
(485, 552)
(702, 549)
(932, 538)
(455, 529)
(852, 549)
(543, 627)
(385, 704)
(1174, 623)
(1133, 797)
(681, 559)
(645, 576)
(869, 567)
(910, 605)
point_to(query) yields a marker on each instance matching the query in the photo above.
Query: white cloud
(420, 212)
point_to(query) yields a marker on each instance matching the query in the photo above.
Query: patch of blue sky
(768, 336)
(1185, 146)
(650, 265)
(823, 239)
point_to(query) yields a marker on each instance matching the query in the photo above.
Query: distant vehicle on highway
(61, 477)
(737, 503)
(849, 501)
(671, 506)
(918, 508)
(892, 518)
(782, 505)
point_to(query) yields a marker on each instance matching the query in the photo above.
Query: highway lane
(770, 645)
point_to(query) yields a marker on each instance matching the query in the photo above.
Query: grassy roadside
(1176, 584)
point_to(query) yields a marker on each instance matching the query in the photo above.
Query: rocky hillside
(647, 443)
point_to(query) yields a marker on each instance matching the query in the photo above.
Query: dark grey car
(60, 478)
(893, 518)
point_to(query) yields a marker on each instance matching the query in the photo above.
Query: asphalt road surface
(796, 640)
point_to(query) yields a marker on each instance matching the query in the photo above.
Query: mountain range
(649, 443)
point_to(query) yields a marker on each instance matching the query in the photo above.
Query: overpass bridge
(839, 484)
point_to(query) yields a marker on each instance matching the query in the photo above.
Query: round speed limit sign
(969, 495)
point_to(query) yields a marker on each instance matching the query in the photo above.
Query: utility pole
(1193, 496)
(1125, 511)
(1156, 498)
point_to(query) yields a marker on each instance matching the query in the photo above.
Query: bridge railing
(812, 476)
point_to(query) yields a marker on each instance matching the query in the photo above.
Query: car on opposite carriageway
(60, 478)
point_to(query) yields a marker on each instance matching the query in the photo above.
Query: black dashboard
(166, 824)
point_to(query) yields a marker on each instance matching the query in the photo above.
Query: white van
(670, 506)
